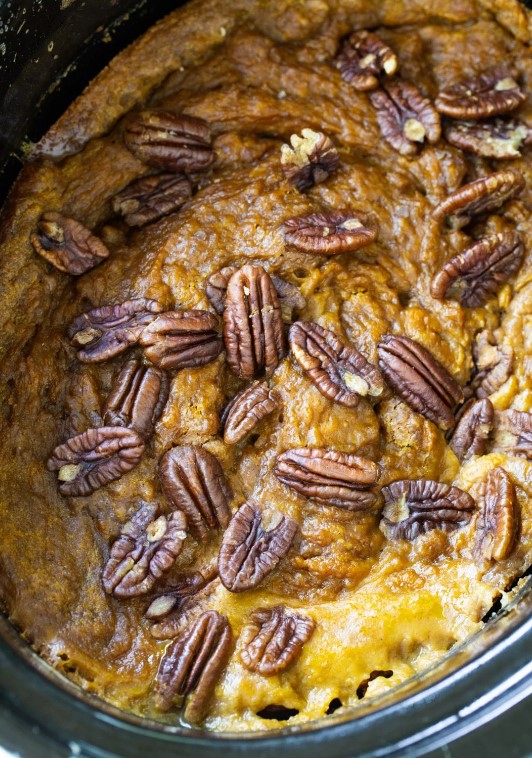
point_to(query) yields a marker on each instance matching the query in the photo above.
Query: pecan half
(98, 456)
(273, 638)
(419, 379)
(496, 138)
(406, 118)
(67, 244)
(190, 586)
(328, 476)
(474, 425)
(169, 141)
(517, 426)
(145, 550)
(498, 519)
(106, 332)
(481, 196)
(416, 506)
(478, 273)
(339, 371)
(193, 481)
(191, 666)
(137, 398)
(329, 233)
(246, 410)
(253, 324)
(185, 610)
(151, 197)
(290, 297)
(364, 58)
(493, 363)
(248, 553)
(489, 94)
(311, 159)
(182, 339)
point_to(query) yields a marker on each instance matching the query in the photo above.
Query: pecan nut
(473, 427)
(145, 550)
(151, 197)
(406, 118)
(106, 332)
(169, 141)
(339, 371)
(489, 94)
(310, 160)
(182, 339)
(67, 244)
(481, 196)
(189, 587)
(517, 428)
(419, 379)
(192, 665)
(273, 639)
(98, 456)
(246, 410)
(416, 506)
(138, 398)
(253, 324)
(364, 58)
(330, 477)
(478, 273)
(493, 363)
(290, 297)
(194, 482)
(496, 138)
(184, 610)
(498, 519)
(329, 233)
(248, 554)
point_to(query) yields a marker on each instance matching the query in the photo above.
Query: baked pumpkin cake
(266, 355)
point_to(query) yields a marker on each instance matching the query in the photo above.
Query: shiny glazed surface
(377, 605)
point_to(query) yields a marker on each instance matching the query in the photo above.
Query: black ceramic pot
(476, 702)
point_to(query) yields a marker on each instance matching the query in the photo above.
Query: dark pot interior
(48, 52)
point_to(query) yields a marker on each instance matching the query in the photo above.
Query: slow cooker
(474, 702)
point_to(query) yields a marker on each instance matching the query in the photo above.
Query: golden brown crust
(258, 72)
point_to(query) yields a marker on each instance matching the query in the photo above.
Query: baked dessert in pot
(266, 407)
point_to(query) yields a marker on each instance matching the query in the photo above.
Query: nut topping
(138, 398)
(194, 482)
(416, 506)
(273, 639)
(253, 325)
(481, 196)
(517, 429)
(106, 332)
(248, 554)
(474, 424)
(494, 364)
(181, 593)
(478, 273)
(406, 118)
(329, 233)
(67, 244)
(151, 197)
(311, 159)
(490, 94)
(496, 138)
(146, 549)
(98, 456)
(182, 339)
(419, 379)
(498, 520)
(289, 295)
(339, 371)
(363, 58)
(168, 141)
(329, 476)
(191, 666)
(247, 409)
